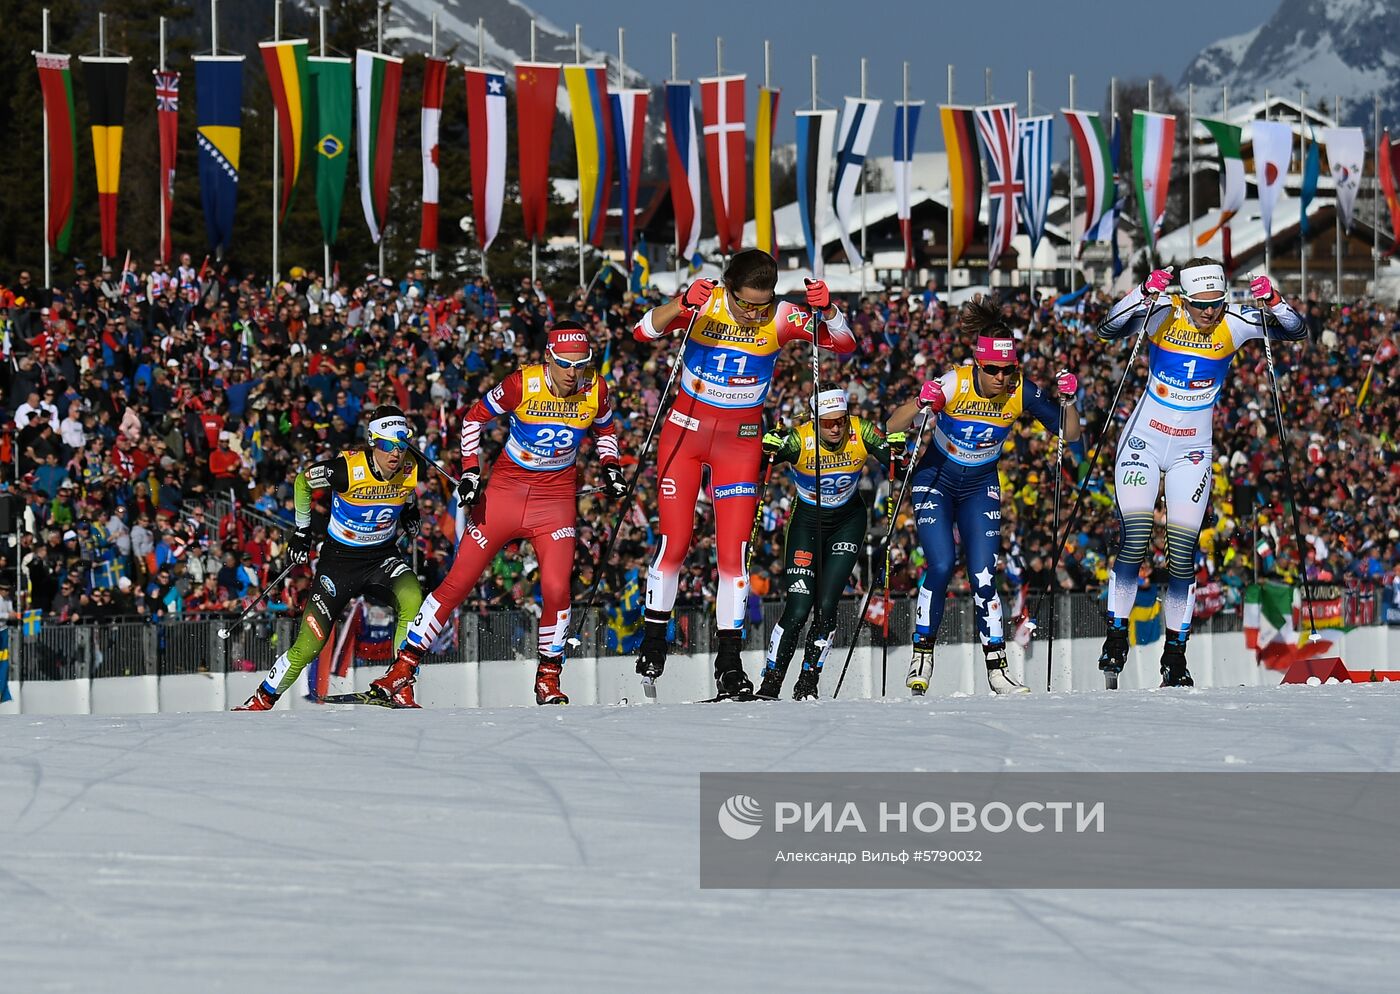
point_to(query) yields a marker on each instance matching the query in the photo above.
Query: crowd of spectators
(154, 421)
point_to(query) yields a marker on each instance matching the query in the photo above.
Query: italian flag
(1096, 161)
(378, 79)
(1154, 137)
(1268, 615)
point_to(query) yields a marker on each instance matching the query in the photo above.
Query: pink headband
(995, 350)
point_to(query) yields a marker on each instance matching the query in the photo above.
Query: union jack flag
(167, 90)
(996, 130)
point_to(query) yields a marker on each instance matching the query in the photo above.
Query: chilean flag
(722, 108)
(683, 154)
(486, 123)
(434, 85)
(629, 120)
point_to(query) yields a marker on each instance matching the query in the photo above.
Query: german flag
(106, 86)
(964, 175)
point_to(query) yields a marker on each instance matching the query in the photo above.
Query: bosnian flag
(434, 85)
(906, 123)
(996, 129)
(722, 109)
(1035, 174)
(857, 128)
(486, 123)
(629, 121)
(683, 157)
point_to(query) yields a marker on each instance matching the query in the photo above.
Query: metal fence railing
(169, 647)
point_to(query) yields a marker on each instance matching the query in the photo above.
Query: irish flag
(1154, 137)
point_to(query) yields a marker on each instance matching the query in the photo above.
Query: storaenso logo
(740, 817)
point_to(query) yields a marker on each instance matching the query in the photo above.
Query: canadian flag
(434, 85)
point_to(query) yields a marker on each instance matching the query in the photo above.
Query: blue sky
(1089, 38)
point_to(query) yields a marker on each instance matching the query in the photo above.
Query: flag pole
(48, 247)
(276, 149)
(432, 256)
(1190, 166)
(1072, 245)
(379, 49)
(862, 191)
(675, 62)
(909, 170)
(101, 54)
(1302, 214)
(1376, 199)
(1030, 272)
(325, 245)
(621, 83)
(480, 64)
(534, 242)
(1268, 233)
(164, 179)
(948, 205)
(578, 61)
(1337, 203)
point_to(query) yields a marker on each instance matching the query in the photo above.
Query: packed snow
(340, 849)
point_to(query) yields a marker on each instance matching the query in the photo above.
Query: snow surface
(363, 850)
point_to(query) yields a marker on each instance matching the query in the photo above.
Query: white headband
(394, 426)
(831, 402)
(1203, 279)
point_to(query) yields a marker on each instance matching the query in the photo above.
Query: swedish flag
(641, 266)
(29, 623)
(4, 664)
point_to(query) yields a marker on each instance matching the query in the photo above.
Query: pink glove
(1261, 289)
(697, 295)
(818, 296)
(1066, 383)
(931, 397)
(1157, 282)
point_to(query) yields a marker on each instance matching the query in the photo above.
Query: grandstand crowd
(154, 421)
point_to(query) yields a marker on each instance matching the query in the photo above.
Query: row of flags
(318, 98)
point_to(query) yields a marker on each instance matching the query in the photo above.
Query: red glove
(818, 295)
(697, 295)
(931, 397)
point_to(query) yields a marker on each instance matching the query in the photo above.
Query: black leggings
(842, 534)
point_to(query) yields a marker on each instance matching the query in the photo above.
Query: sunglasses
(998, 370)
(574, 363)
(391, 444)
(1206, 305)
(748, 306)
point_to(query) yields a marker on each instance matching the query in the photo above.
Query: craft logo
(802, 557)
(740, 817)
(736, 490)
(1200, 489)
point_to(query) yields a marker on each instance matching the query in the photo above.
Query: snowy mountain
(505, 34)
(1347, 49)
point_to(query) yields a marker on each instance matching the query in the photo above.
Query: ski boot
(262, 700)
(997, 676)
(772, 685)
(547, 681)
(396, 685)
(921, 668)
(1174, 671)
(1114, 654)
(652, 661)
(807, 684)
(730, 678)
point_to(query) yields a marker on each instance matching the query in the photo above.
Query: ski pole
(767, 472)
(885, 641)
(435, 465)
(663, 407)
(889, 538)
(1055, 530)
(819, 552)
(1313, 636)
(224, 633)
(1083, 488)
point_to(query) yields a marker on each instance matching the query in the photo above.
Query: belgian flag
(106, 86)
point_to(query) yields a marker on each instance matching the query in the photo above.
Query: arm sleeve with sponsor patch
(794, 325)
(645, 330)
(328, 474)
(604, 427)
(1281, 321)
(1126, 317)
(874, 440)
(501, 399)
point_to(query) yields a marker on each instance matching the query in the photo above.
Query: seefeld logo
(740, 817)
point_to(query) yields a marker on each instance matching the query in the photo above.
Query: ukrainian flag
(587, 86)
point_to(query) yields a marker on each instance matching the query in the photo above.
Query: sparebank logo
(740, 817)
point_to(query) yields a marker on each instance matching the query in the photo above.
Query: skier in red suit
(736, 332)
